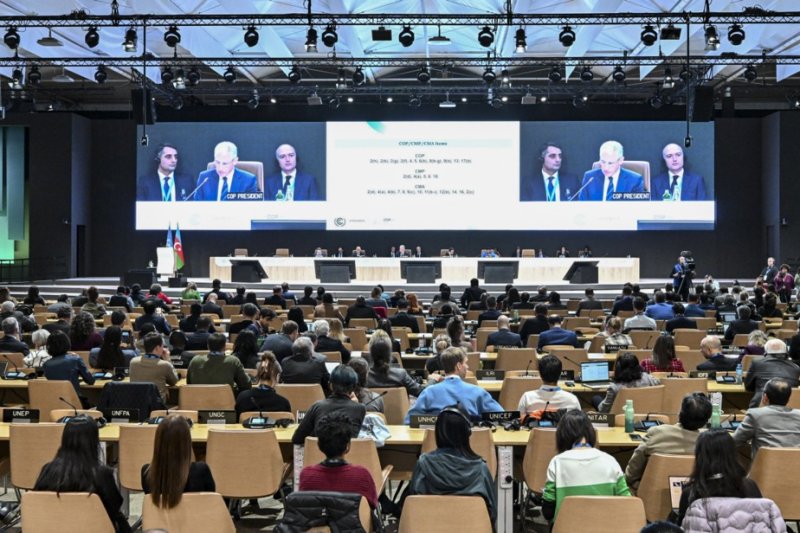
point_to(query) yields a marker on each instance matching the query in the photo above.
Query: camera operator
(682, 275)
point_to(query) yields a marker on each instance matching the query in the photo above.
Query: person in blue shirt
(693, 309)
(66, 366)
(454, 390)
(557, 335)
(660, 310)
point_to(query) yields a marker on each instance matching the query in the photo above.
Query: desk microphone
(376, 398)
(573, 362)
(65, 419)
(259, 422)
(528, 367)
(196, 189)
(16, 369)
(581, 189)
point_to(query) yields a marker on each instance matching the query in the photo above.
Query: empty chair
(645, 399)
(516, 359)
(136, 443)
(688, 337)
(654, 487)
(674, 391)
(44, 395)
(541, 448)
(197, 511)
(644, 340)
(190, 415)
(395, 404)
(481, 336)
(603, 514)
(301, 396)
(66, 512)
(367, 323)
(775, 471)
(463, 513)
(281, 252)
(31, 447)
(206, 398)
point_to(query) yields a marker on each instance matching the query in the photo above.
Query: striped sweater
(583, 472)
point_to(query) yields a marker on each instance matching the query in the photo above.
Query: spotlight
(793, 99)
(414, 101)
(736, 34)
(349, 99)
(406, 37)
(669, 81)
(167, 76)
(251, 36)
(100, 75)
(311, 40)
(382, 34)
(129, 44)
(423, 76)
(670, 33)
(172, 36)
(496, 102)
(579, 101)
(229, 75)
(11, 38)
(655, 101)
(712, 39)
(334, 102)
(555, 74)
(177, 102)
(686, 75)
(329, 36)
(16, 79)
(464, 100)
(92, 37)
(751, 73)
(180, 79)
(486, 37)
(294, 75)
(521, 41)
(649, 35)
(34, 76)
(273, 100)
(389, 99)
(619, 74)
(358, 76)
(567, 36)
(253, 102)
(341, 81)
(587, 75)
(489, 76)
(504, 77)
(193, 77)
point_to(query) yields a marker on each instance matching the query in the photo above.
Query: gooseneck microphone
(376, 398)
(528, 367)
(581, 189)
(196, 189)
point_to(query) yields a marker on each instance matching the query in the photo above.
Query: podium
(165, 256)
(582, 272)
(247, 271)
(421, 271)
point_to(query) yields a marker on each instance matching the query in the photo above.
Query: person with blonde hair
(39, 355)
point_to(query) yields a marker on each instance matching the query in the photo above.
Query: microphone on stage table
(68, 403)
(196, 189)
(581, 189)
(528, 367)
(16, 369)
(376, 398)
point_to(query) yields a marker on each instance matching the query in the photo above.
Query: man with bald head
(676, 184)
(600, 184)
(289, 185)
(504, 336)
(716, 361)
(225, 179)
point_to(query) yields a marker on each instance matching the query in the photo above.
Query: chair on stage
(282, 252)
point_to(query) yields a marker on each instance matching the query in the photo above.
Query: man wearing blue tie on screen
(215, 184)
(551, 185)
(167, 185)
(289, 184)
(676, 184)
(600, 184)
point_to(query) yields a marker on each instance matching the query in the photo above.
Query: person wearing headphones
(166, 185)
(551, 185)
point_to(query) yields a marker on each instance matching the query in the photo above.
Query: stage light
(496, 102)
(329, 36)
(193, 77)
(736, 34)
(294, 75)
(389, 99)
(382, 34)
(341, 80)
(439, 40)
(92, 38)
(358, 77)
(180, 79)
(11, 38)
(16, 79)
(655, 101)
(251, 36)
(423, 76)
(177, 102)
(349, 99)
(129, 44)
(669, 81)
(172, 36)
(579, 101)
(100, 75)
(311, 40)
(273, 100)
(686, 75)
(649, 35)
(464, 100)
(587, 75)
(712, 39)
(619, 74)
(334, 102)
(414, 101)
(670, 33)
(229, 75)
(521, 41)
(167, 76)
(751, 73)
(486, 37)
(555, 75)
(406, 37)
(253, 102)
(34, 76)
(489, 76)
(567, 36)
(505, 79)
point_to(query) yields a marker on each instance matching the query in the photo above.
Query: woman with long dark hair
(77, 468)
(111, 355)
(82, 333)
(627, 373)
(246, 348)
(171, 472)
(33, 297)
(664, 358)
(383, 374)
(296, 314)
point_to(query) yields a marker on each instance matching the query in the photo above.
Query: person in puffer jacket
(731, 515)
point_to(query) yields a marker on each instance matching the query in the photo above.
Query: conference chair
(747, 361)
(197, 511)
(605, 514)
(481, 336)
(539, 450)
(136, 443)
(574, 322)
(444, 514)
(516, 359)
(281, 252)
(240, 252)
(228, 311)
(14, 359)
(640, 167)
(533, 341)
(367, 323)
(473, 314)
(775, 471)
(44, 395)
(675, 388)
(513, 388)
(83, 355)
(401, 333)
(395, 404)
(571, 358)
(705, 323)
(689, 358)
(358, 338)
(644, 340)
(654, 486)
(253, 167)
(474, 360)
(332, 357)
(480, 440)
(688, 337)
(794, 399)
(362, 452)
(490, 324)
(32, 446)
(301, 396)
(739, 340)
(206, 398)
(66, 512)
(645, 399)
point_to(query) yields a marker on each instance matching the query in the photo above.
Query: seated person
(216, 368)
(679, 321)
(549, 396)
(556, 335)
(154, 366)
(302, 367)
(639, 320)
(334, 474)
(111, 355)
(371, 400)
(772, 423)
(198, 340)
(742, 325)
(83, 334)
(66, 366)
(716, 361)
(383, 374)
(263, 396)
(504, 336)
(664, 358)
(614, 338)
(627, 374)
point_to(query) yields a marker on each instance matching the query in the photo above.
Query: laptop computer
(727, 317)
(594, 374)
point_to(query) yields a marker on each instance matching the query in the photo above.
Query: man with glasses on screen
(602, 183)
(552, 185)
(677, 184)
(289, 184)
(166, 185)
(225, 179)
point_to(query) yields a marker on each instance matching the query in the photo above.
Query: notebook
(594, 374)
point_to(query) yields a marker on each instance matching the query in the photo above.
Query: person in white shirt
(38, 356)
(549, 395)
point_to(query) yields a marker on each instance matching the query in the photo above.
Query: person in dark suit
(716, 361)
(329, 344)
(773, 365)
(534, 325)
(359, 252)
(198, 339)
(599, 184)
(557, 335)
(472, 293)
(491, 313)
(150, 316)
(625, 303)
(302, 367)
(276, 298)
(588, 303)
(682, 277)
(211, 306)
(292, 184)
(10, 341)
(676, 184)
(743, 325)
(402, 318)
(165, 185)
(680, 320)
(549, 185)
(770, 271)
(232, 179)
(360, 309)
(504, 336)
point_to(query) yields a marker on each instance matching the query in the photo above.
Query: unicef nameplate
(500, 416)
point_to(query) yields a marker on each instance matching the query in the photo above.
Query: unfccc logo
(339, 221)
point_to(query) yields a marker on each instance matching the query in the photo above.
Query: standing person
(550, 184)
(292, 184)
(215, 184)
(676, 184)
(784, 283)
(165, 185)
(77, 467)
(769, 272)
(682, 278)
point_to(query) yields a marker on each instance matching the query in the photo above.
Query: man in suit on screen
(225, 178)
(677, 184)
(289, 184)
(600, 184)
(166, 185)
(551, 185)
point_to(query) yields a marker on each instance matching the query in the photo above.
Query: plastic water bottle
(739, 374)
(629, 416)
(715, 416)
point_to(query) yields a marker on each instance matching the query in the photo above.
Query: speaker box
(703, 110)
(143, 114)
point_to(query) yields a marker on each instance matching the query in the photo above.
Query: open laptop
(594, 374)
(727, 317)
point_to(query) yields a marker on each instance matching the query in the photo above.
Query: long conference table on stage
(534, 270)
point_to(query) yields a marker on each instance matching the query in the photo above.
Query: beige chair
(44, 394)
(240, 252)
(229, 310)
(401, 334)
(31, 447)
(197, 511)
(67, 512)
(654, 486)
(516, 359)
(300, 396)
(576, 322)
(644, 340)
(136, 443)
(689, 337)
(481, 336)
(58, 414)
(541, 448)
(674, 391)
(775, 471)
(645, 399)
(463, 513)
(528, 252)
(332, 357)
(206, 398)
(533, 341)
(690, 358)
(366, 323)
(747, 361)
(362, 452)
(705, 323)
(571, 358)
(358, 338)
(513, 388)
(481, 442)
(739, 340)
(794, 399)
(253, 167)
(281, 252)
(395, 404)
(606, 514)
(15, 359)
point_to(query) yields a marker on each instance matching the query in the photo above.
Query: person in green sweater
(216, 368)
(191, 292)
